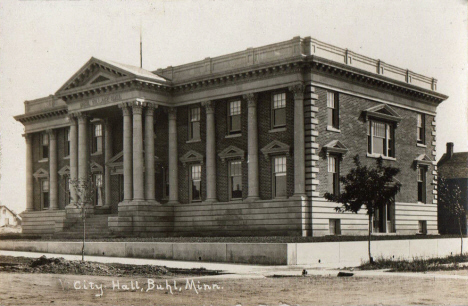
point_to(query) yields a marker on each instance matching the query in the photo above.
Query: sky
(43, 43)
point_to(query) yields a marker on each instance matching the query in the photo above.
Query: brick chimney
(449, 149)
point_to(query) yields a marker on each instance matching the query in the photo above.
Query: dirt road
(39, 289)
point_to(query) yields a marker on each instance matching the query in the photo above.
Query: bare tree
(84, 191)
(450, 202)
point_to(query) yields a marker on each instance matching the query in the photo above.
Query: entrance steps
(96, 227)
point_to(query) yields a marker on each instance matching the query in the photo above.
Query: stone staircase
(96, 227)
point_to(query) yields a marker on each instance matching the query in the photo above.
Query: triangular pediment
(116, 159)
(423, 159)
(191, 157)
(275, 148)
(231, 152)
(41, 173)
(64, 171)
(335, 147)
(95, 167)
(382, 111)
(98, 72)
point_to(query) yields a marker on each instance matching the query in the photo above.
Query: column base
(210, 201)
(299, 196)
(71, 205)
(252, 199)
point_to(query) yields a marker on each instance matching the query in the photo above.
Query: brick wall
(354, 136)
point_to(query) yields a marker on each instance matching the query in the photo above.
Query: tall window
(45, 145)
(45, 194)
(98, 191)
(235, 179)
(334, 174)
(97, 138)
(422, 184)
(380, 137)
(194, 123)
(67, 142)
(333, 110)
(422, 227)
(279, 176)
(279, 110)
(165, 182)
(421, 130)
(234, 117)
(195, 182)
(67, 190)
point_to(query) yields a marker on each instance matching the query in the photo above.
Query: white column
(138, 176)
(173, 166)
(107, 157)
(210, 152)
(252, 147)
(83, 147)
(53, 175)
(29, 173)
(73, 159)
(127, 152)
(299, 140)
(149, 153)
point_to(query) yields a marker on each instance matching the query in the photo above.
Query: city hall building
(246, 144)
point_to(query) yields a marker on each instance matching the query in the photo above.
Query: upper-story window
(279, 176)
(234, 117)
(422, 184)
(97, 138)
(195, 182)
(279, 110)
(194, 123)
(67, 142)
(421, 129)
(380, 138)
(44, 146)
(333, 110)
(334, 174)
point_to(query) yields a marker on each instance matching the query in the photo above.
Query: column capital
(125, 109)
(72, 117)
(209, 106)
(27, 137)
(297, 90)
(137, 109)
(51, 133)
(82, 117)
(172, 113)
(251, 99)
(150, 107)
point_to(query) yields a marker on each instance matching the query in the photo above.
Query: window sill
(66, 157)
(96, 153)
(44, 160)
(332, 129)
(276, 130)
(193, 141)
(380, 155)
(233, 135)
(421, 145)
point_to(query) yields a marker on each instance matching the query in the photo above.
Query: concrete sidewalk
(239, 270)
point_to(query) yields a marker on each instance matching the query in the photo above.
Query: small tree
(372, 188)
(450, 203)
(84, 192)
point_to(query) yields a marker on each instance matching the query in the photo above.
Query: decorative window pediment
(423, 160)
(64, 171)
(383, 112)
(275, 148)
(335, 147)
(231, 152)
(116, 159)
(41, 173)
(95, 167)
(191, 157)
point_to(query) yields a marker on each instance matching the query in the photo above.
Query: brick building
(242, 144)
